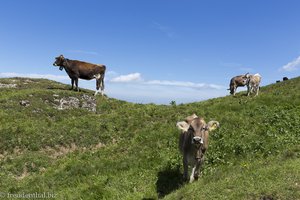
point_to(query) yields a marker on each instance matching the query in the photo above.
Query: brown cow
(79, 69)
(238, 81)
(193, 143)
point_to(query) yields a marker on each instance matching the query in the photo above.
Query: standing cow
(79, 69)
(193, 143)
(238, 81)
(253, 84)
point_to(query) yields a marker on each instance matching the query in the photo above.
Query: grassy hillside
(75, 146)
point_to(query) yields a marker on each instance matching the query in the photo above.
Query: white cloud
(141, 91)
(185, 84)
(137, 77)
(160, 94)
(292, 66)
(127, 78)
(46, 76)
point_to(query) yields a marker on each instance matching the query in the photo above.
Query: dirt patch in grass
(59, 150)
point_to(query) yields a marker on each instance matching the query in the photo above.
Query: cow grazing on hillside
(83, 70)
(253, 84)
(193, 143)
(238, 81)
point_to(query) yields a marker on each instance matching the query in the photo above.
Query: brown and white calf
(253, 84)
(78, 69)
(193, 143)
(238, 81)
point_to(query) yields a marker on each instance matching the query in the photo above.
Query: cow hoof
(191, 180)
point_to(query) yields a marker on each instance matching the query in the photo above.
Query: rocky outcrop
(84, 101)
(3, 85)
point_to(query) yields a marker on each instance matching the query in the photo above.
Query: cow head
(245, 79)
(198, 128)
(201, 130)
(59, 61)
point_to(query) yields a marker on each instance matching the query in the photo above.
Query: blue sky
(155, 50)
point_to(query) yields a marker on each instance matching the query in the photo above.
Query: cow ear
(183, 126)
(212, 125)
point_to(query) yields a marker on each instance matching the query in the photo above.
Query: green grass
(130, 151)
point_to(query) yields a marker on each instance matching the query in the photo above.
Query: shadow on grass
(168, 181)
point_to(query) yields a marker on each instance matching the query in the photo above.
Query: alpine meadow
(74, 145)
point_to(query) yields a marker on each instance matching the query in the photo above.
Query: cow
(285, 78)
(238, 81)
(193, 143)
(253, 84)
(78, 69)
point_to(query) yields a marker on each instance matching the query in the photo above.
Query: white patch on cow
(183, 126)
(257, 74)
(197, 139)
(97, 76)
(192, 175)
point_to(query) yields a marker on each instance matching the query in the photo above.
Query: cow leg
(231, 90)
(76, 84)
(248, 90)
(97, 86)
(185, 169)
(102, 84)
(197, 168)
(257, 89)
(72, 83)
(192, 177)
(102, 87)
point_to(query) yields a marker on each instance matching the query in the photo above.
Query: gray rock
(85, 101)
(25, 103)
(2, 85)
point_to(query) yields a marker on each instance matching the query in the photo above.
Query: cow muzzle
(197, 140)
(56, 65)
